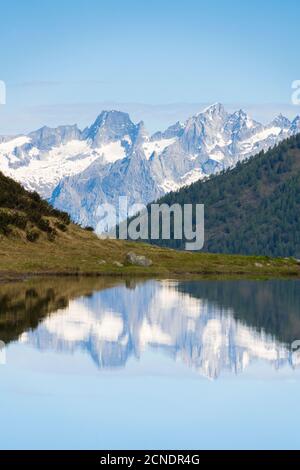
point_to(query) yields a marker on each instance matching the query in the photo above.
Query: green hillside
(253, 209)
(24, 211)
(37, 239)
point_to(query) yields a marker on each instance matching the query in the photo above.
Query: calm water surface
(104, 364)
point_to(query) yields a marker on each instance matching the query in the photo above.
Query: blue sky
(61, 58)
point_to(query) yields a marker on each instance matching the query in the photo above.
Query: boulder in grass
(118, 264)
(138, 260)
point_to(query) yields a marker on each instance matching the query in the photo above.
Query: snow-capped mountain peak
(281, 121)
(78, 170)
(46, 137)
(213, 110)
(295, 126)
(110, 126)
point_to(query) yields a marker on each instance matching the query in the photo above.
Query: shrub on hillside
(62, 227)
(11, 218)
(51, 235)
(32, 235)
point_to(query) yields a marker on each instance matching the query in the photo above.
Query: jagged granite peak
(295, 126)
(193, 134)
(212, 117)
(175, 130)
(240, 119)
(202, 129)
(140, 134)
(47, 137)
(281, 121)
(239, 127)
(213, 110)
(110, 126)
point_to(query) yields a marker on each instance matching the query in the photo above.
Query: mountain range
(78, 170)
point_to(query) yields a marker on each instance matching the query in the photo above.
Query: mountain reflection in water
(211, 326)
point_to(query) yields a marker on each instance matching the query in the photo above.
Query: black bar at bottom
(133, 459)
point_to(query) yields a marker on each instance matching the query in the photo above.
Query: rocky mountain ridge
(78, 171)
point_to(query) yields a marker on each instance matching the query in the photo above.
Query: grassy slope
(80, 251)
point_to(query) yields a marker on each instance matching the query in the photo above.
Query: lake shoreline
(10, 276)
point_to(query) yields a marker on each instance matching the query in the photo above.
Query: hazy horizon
(156, 117)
